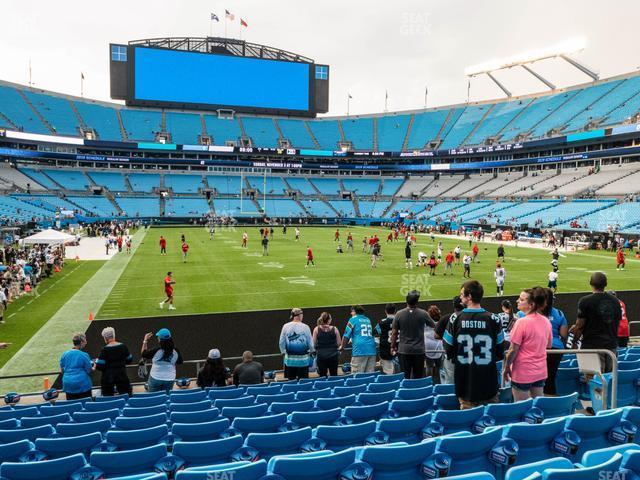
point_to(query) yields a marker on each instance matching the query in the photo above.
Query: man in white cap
(296, 345)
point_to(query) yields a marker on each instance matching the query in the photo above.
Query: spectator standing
(432, 345)
(249, 372)
(599, 316)
(360, 332)
(441, 326)
(164, 359)
(112, 362)
(623, 328)
(408, 331)
(296, 345)
(383, 331)
(525, 363)
(507, 319)
(265, 246)
(474, 341)
(559, 331)
(76, 367)
(214, 373)
(326, 340)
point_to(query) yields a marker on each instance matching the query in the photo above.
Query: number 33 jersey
(474, 341)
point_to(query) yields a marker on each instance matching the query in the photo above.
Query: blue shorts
(525, 387)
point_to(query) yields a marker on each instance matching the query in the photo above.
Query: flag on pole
(229, 15)
(350, 97)
(82, 75)
(214, 18)
(243, 23)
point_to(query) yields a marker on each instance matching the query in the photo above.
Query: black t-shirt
(602, 314)
(501, 251)
(474, 341)
(383, 329)
(113, 361)
(248, 373)
(407, 251)
(411, 323)
(441, 326)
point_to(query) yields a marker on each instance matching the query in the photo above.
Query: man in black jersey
(383, 331)
(474, 340)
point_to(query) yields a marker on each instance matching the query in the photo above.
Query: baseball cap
(295, 312)
(163, 334)
(214, 353)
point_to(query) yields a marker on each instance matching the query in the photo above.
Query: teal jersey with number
(360, 332)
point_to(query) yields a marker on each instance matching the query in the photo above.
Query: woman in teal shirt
(76, 369)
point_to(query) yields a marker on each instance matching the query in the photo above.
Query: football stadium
(211, 270)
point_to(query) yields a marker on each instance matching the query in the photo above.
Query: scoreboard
(149, 76)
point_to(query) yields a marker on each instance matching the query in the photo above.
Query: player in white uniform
(422, 259)
(439, 252)
(500, 275)
(297, 234)
(456, 254)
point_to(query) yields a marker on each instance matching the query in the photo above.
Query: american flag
(214, 17)
(243, 23)
(229, 15)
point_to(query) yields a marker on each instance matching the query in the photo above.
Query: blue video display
(180, 77)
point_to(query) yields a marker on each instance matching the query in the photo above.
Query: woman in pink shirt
(526, 361)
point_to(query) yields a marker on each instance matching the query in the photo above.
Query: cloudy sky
(373, 46)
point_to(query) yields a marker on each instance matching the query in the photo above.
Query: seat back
(210, 452)
(76, 429)
(313, 419)
(66, 446)
(366, 413)
(313, 394)
(53, 420)
(197, 432)
(11, 452)
(312, 466)
(245, 412)
(118, 403)
(445, 422)
(290, 407)
(143, 411)
(198, 416)
(505, 413)
(190, 397)
(136, 439)
(446, 402)
(58, 469)
(268, 445)
(189, 407)
(555, 407)
(235, 470)
(147, 401)
(264, 424)
(130, 462)
(136, 423)
(225, 393)
(330, 403)
(611, 467)
(413, 393)
(390, 462)
(375, 398)
(381, 387)
(597, 432)
(407, 429)
(341, 437)
(9, 436)
(537, 442)
(82, 417)
(411, 408)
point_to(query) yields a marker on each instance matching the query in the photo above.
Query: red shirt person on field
(309, 257)
(475, 250)
(185, 250)
(168, 291)
(620, 259)
(163, 245)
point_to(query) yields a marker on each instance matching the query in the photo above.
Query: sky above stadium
(402, 47)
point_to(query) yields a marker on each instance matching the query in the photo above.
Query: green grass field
(220, 276)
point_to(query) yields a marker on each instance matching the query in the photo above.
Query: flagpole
(386, 101)
(81, 84)
(348, 101)
(426, 92)
(30, 77)
(468, 88)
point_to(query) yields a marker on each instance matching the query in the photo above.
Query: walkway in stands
(42, 352)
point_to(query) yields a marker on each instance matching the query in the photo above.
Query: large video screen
(173, 77)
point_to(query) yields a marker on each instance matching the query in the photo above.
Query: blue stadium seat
(143, 476)
(105, 405)
(290, 407)
(596, 457)
(390, 462)
(444, 389)
(58, 469)
(346, 391)
(461, 455)
(189, 407)
(538, 441)
(414, 393)
(196, 432)
(211, 452)
(338, 438)
(267, 445)
(406, 429)
(135, 439)
(136, 423)
(445, 422)
(314, 466)
(410, 408)
(627, 390)
(322, 384)
(591, 473)
(9, 424)
(11, 452)
(28, 422)
(365, 413)
(130, 462)
(65, 446)
(143, 411)
(236, 470)
(280, 397)
(296, 387)
(554, 407)
(225, 393)
(392, 378)
(631, 465)
(263, 389)
(234, 402)
(331, 403)
(600, 431)
(381, 387)
(136, 401)
(417, 382)
(446, 402)
(522, 472)
(314, 394)
(315, 418)
(355, 381)
(374, 398)
(568, 381)
(265, 424)
(76, 429)
(198, 416)
(252, 411)
(82, 417)
(632, 414)
(10, 413)
(9, 436)
(187, 397)
(505, 413)
(52, 410)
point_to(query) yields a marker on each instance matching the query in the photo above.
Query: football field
(221, 276)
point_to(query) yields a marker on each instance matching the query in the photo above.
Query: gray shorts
(363, 364)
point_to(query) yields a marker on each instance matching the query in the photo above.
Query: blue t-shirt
(360, 332)
(76, 367)
(557, 320)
